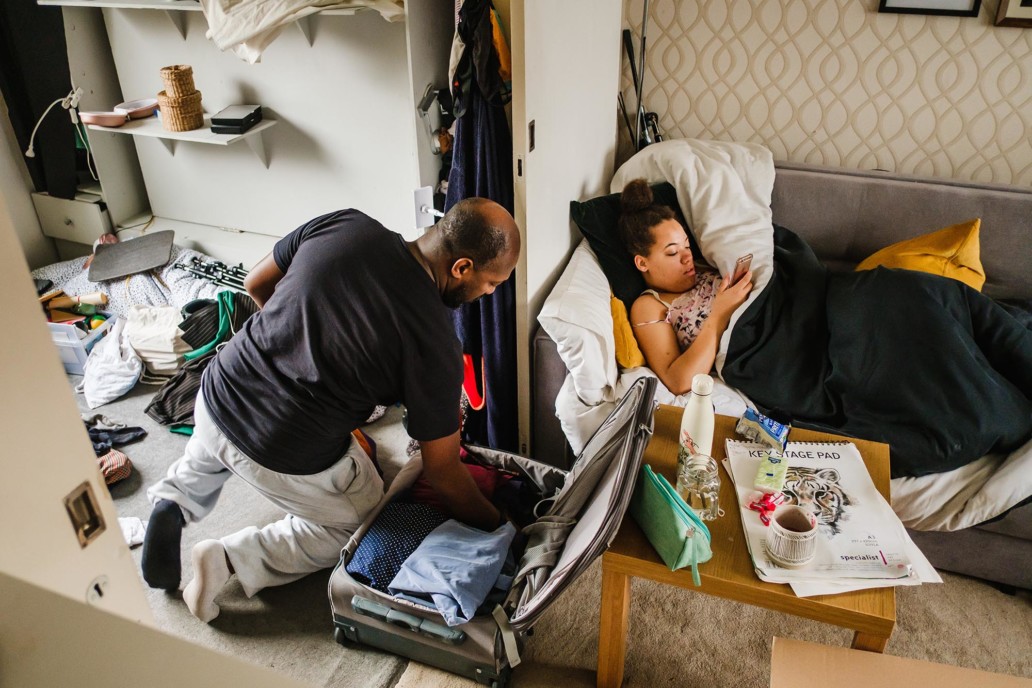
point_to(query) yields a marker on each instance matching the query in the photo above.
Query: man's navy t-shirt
(355, 322)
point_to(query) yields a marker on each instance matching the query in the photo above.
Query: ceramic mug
(792, 537)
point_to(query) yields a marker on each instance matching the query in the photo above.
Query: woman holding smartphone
(679, 320)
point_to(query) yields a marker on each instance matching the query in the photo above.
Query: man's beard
(457, 297)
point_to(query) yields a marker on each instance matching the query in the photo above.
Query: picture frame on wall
(1015, 13)
(948, 8)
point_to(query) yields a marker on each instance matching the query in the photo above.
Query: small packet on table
(770, 476)
(756, 427)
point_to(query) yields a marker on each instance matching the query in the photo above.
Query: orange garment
(501, 47)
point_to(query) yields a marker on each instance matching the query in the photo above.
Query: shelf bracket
(258, 146)
(305, 24)
(178, 19)
(170, 146)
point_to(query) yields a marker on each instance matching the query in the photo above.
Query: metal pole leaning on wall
(641, 81)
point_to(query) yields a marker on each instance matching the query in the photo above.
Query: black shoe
(161, 565)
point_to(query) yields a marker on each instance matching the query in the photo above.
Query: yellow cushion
(628, 355)
(950, 252)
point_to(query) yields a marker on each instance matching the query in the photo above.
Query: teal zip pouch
(674, 529)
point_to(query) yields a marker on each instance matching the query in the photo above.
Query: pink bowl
(103, 119)
(138, 109)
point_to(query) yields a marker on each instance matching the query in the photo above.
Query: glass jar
(698, 484)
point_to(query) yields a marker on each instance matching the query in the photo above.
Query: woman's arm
(658, 341)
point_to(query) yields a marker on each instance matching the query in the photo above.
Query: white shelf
(173, 9)
(151, 126)
(179, 5)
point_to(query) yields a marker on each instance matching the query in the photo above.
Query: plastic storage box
(74, 350)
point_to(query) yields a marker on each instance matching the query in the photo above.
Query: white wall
(17, 216)
(114, 157)
(346, 133)
(841, 84)
(565, 79)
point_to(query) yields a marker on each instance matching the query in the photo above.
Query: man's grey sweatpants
(323, 510)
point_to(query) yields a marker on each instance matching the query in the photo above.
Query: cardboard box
(74, 350)
(796, 663)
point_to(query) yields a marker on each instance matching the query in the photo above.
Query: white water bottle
(696, 435)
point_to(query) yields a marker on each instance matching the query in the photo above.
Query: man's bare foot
(108, 238)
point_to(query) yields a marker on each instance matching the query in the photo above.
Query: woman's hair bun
(636, 196)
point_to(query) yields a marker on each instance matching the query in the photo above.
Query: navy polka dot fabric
(394, 535)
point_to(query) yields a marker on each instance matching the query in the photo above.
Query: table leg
(612, 628)
(869, 642)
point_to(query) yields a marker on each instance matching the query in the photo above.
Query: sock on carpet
(211, 573)
(161, 565)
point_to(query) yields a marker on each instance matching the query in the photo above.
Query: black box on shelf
(236, 119)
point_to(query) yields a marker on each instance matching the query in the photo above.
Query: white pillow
(577, 316)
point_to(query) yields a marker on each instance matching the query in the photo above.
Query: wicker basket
(178, 80)
(181, 114)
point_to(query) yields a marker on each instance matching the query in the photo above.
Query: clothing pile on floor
(171, 347)
(106, 434)
(167, 346)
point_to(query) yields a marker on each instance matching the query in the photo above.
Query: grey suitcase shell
(580, 521)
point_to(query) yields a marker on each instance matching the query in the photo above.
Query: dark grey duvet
(935, 369)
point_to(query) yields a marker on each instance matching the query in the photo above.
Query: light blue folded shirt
(455, 567)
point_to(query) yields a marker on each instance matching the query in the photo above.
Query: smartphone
(741, 267)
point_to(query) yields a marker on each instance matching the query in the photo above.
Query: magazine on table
(859, 536)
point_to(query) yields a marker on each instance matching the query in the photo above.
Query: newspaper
(861, 542)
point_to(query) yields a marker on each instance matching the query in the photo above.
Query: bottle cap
(702, 384)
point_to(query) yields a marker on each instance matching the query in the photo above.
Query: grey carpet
(676, 638)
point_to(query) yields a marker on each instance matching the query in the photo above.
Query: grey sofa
(846, 215)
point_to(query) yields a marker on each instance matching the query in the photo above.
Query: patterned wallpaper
(835, 82)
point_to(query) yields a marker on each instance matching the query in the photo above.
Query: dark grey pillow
(597, 218)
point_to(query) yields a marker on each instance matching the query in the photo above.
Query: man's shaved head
(479, 229)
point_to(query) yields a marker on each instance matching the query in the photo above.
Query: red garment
(486, 479)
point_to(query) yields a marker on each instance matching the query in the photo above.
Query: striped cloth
(209, 325)
(114, 466)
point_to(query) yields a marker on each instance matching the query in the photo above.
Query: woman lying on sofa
(924, 363)
(679, 320)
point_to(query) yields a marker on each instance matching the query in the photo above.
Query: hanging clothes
(33, 73)
(482, 166)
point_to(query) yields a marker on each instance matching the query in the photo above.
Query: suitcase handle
(381, 612)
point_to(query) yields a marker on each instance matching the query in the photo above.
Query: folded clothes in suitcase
(578, 519)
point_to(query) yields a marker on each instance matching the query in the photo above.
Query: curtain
(482, 166)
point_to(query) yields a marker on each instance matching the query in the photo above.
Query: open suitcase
(577, 524)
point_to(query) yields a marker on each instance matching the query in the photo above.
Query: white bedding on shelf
(724, 190)
(249, 26)
(165, 286)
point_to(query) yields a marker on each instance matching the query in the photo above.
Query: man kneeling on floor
(352, 316)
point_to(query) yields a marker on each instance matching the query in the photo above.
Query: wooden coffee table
(871, 614)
